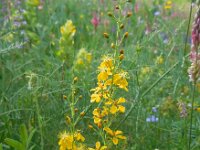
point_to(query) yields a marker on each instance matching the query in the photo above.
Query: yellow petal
(118, 132)
(98, 145)
(95, 98)
(121, 100)
(121, 108)
(115, 140)
(95, 112)
(97, 120)
(121, 137)
(108, 130)
(103, 148)
(80, 137)
(113, 109)
(102, 76)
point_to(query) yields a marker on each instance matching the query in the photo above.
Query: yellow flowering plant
(111, 78)
(66, 42)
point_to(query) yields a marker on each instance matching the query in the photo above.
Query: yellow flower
(115, 105)
(116, 135)
(98, 147)
(107, 62)
(33, 2)
(119, 79)
(168, 4)
(102, 76)
(79, 136)
(68, 30)
(159, 60)
(83, 58)
(66, 141)
(95, 98)
(145, 70)
(98, 115)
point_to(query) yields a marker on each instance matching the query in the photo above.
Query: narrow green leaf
(23, 134)
(30, 136)
(14, 143)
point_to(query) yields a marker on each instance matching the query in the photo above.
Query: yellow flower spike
(68, 30)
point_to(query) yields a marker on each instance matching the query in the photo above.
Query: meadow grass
(37, 85)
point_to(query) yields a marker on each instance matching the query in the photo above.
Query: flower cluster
(168, 4)
(67, 31)
(109, 79)
(83, 59)
(69, 141)
(194, 69)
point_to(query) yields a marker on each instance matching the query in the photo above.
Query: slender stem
(191, 116)
(188, 28)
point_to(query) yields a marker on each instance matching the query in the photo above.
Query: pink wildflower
(95, 21)
(194, 69)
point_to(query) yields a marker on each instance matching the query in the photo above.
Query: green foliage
(33, 78)
(25, 139)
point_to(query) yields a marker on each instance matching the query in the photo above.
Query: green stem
(191, 116)
(39, 123)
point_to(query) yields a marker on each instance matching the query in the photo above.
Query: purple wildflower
(152, 118)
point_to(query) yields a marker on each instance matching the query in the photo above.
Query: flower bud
(121, 57)
(116, 7)
(68, 119)
(110, 14)
(121, 51)
(105, 34)
(75, 110)
(75, 79)
(112, 45)
(64, 97)
(126, 35)
(129, 14)
(121, 26)
(82, 114)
